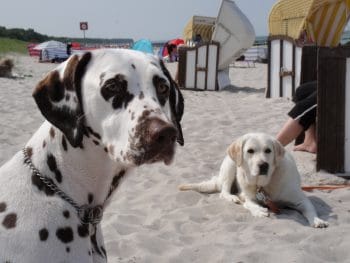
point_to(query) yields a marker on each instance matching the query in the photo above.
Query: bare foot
(311, 148)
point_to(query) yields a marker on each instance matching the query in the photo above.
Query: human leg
(290, 130)
(310, 142)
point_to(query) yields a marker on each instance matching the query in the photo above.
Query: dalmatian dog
(107, 111)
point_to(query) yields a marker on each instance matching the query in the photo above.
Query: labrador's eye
(268, 150)
(251, 151)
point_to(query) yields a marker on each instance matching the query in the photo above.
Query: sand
(149, 220)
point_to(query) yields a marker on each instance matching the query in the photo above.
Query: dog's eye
(113, 87)
(268, 150)
(162, 89)
(251, 151)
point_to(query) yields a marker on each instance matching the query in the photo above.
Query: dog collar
(88, 215)
(264, 198)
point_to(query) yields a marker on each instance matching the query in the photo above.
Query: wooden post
(331, 108)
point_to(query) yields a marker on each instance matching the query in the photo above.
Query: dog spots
(52, 132)
(116, 179)
(90, 198)
(66, 214)
(95, 245)
(51, 87)
(102, 76)
(10, 221)
(117, 90)
(95, 134)
(29, 152)
(68, 77)
(41, 186)
(83, 230)
(67, 249)
(51, 162)
(65, 235)
(2, 207)
(115, 182)
(96, 142)
(44, 144)
(104, 251)
(144, 116)
(133, 66)
(105, 149)
(141, 96)
(64, 143)
(43, 234)
(111, 149)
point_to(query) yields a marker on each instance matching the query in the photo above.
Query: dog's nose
(263, 168)
(162, 133)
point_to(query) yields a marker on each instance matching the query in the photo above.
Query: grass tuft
(8, 45)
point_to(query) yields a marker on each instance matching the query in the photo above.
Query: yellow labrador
(261, 172)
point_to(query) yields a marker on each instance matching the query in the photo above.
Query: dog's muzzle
(263, 168)
(157, 140)
(160, 142)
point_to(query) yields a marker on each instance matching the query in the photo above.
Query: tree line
(29, 35)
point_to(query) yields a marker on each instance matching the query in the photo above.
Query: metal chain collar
(86, 214)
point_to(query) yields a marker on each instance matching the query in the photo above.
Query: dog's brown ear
(279, 151)
(235, 151)
(58, 97)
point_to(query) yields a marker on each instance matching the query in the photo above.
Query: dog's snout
(263, 168)
(162, 133)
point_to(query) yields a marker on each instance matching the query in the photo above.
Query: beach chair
(205, 66)
(293, 25)
(304, 46)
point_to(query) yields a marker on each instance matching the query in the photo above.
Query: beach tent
(294, 25)
(52, 51)
(202, 25)
(163, 52)
(143, 45)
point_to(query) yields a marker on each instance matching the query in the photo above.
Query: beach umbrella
(52, 44)
(175, 41)
(143, 45)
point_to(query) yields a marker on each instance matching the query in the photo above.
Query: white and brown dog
(259, 172)
(107, 111)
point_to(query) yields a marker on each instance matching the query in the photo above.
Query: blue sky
(152, 19)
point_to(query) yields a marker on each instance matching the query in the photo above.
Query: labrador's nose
(263, 168)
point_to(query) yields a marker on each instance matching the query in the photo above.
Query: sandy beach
(150, 220)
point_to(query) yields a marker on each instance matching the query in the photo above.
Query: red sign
(83, 25)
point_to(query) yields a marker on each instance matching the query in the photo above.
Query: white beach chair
(205, 66)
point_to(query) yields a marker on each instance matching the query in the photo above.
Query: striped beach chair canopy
(319, 21)
(202, 25)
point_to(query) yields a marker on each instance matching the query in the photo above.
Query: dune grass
(12, 45)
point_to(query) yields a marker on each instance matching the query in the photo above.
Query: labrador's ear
(279, 151)
(58, 97)
(235, 151)
(176, 101)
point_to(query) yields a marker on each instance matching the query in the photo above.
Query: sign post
(84, 27)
